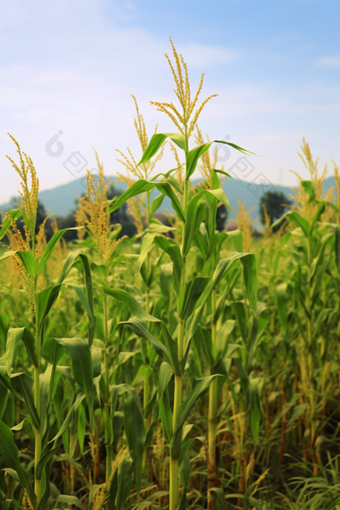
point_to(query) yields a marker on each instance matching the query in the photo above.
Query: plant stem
(146, 392)
(37, 433)
(107, 409)
(174, 479)
(212, 424)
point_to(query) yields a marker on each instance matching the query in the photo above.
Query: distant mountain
(62, 200)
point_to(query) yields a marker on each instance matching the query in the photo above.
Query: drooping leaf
(140, 330)
(194, 155)
(137, 188)
(77, 401)
(299, 221)
(165, 188)
(49, 249)
(175, 254)
(10, 455)
(156, 203)
(45, 300)
(157, 141)
(28, 260)
(71, 500)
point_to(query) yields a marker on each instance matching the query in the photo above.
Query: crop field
(185, 367)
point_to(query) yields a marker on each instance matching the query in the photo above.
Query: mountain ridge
(61, 200)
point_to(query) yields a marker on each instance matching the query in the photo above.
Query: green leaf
(242, 319)
(189, 296)
(255, 409)
(10, 456)
(320, 210)
(175, 254)
(89, 294)
(195, 216)
(7, 255)
(281, 293)
(123, 357)
(165, 374)
(201, 386)
(81, 427)
(298, 411)
(67, 264)
(29, 262)
(45, 300)
(80, 353)
(309, 187)
(194, 155)
(26, 425)
(13, 215)
(219, 195)
(77, 401)
(156, 203)
(166, 418)
(299, 221)
(136, 435)
(133, 305)
(165, 188)
(71, 500)
(88, 309)
(137, 188)
(146, 247)
(157, 141)
(140, 330)
(134, 427)
(337, 248)
(49, 249)
(223, 337)
(3, 398)
(223, 267)
(14, 336)
(203, 341)
(250, 278)
(45, 393)
(43, 461)
(124, 482)
(52, 351)
(23, 384)
(172, 349)
(237, 238)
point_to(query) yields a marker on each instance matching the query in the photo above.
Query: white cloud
(328, 61)
(201, 56)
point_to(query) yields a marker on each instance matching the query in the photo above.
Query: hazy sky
(71, 66)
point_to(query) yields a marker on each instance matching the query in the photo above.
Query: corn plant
(181, 368)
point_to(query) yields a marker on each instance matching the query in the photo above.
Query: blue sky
(72, 65)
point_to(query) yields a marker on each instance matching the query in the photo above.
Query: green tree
(275, 202)
(221, 217)
(41, 215)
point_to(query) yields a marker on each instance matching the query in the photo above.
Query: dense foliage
(183, 367)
